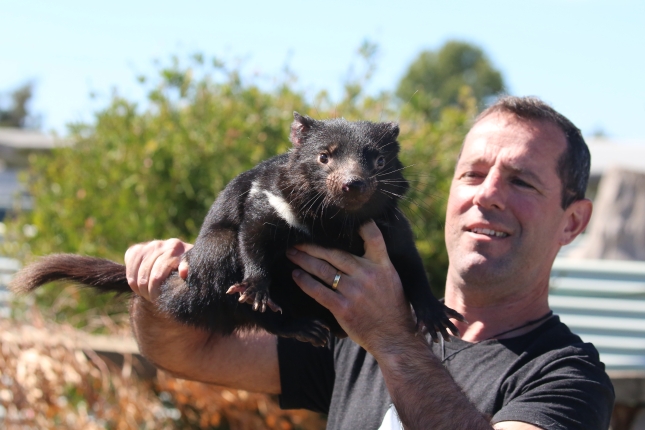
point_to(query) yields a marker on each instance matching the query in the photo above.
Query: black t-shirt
(547, 377)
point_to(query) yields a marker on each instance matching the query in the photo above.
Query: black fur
(338, 176)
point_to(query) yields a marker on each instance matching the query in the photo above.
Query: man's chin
(478, 269)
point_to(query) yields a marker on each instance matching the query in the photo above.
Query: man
(516, 198)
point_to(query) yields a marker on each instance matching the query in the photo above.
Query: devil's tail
(104, 275)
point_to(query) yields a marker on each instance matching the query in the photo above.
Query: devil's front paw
(436, 319)
(313, 331)
(255, 292)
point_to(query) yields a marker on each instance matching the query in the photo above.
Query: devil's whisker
(388, 172)
(313, 201)
(390, 192)
(405, 187)
(387, 194)
(304, 206)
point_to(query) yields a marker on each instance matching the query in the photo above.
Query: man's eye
(521, 183)
(470, 175)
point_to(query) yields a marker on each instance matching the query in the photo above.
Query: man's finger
(183, 269)
(375, 249)
(320, 293)
(133, 257)
(341, 260)
(160, 271)
(145, 269)
(166, 260)
(320, 268)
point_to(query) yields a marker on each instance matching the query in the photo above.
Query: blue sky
(585, 57)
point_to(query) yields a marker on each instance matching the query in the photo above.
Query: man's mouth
(488, 232)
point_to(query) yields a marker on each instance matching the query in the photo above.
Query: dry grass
(48, 380)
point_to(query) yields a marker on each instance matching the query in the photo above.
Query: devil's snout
(354, 186)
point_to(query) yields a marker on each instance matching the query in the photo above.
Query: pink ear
(299, 128)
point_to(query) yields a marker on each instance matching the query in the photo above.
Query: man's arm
(247, 360)
(370, 306)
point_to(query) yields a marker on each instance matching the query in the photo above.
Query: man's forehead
(506, 132)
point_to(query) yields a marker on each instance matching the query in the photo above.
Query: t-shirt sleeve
(572, 391)
(306, 375)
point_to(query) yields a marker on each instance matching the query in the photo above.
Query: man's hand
(148, 264)
(368, 303)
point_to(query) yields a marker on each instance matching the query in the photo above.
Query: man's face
(504, 219)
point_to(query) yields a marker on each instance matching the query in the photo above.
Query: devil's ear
(385, 133)
(393, 129)
(299, 128)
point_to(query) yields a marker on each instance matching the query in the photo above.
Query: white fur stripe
(254, 188)
(285, 211)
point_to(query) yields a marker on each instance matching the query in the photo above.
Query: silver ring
(334, 285)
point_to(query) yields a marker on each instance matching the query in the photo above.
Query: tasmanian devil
(338, 175)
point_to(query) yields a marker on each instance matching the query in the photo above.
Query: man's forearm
(164, 341)
(244, 360)
(424, 394)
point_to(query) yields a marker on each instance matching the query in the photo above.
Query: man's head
(573, 165)
(511, 205)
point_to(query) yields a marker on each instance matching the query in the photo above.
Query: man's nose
(491, 193)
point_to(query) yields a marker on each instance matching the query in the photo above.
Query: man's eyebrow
(519, 171)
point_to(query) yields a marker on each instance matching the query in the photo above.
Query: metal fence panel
(603, 302)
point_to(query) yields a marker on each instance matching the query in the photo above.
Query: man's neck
(488, 315)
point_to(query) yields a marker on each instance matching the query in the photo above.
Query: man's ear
(299, 128)
(577, 215)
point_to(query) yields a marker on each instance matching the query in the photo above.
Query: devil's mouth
(352, 205)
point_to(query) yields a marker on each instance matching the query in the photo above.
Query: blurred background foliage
(436, 79)
(152, 170)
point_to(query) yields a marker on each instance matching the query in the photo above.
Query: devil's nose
(354, 186)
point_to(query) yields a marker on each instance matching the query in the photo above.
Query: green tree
(436, 79)
(17, 113)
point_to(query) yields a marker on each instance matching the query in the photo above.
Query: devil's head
(345, 166)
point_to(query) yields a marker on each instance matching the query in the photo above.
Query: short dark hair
(574, 163)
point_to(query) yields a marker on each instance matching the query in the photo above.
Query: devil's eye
(380, 162)
(323, 158)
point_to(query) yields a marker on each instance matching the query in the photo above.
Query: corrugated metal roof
(603, 301)
(606, 153)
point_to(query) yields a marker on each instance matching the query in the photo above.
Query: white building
(15, 146)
